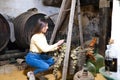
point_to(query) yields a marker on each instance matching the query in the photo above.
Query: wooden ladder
(69, 34)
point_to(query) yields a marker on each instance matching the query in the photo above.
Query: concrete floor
(11, 72)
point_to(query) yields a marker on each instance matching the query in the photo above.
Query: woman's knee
(46, 67)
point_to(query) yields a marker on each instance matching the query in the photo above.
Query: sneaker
(30, 75)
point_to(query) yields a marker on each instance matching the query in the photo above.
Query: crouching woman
(36, 56)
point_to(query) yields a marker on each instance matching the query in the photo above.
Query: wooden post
(103, 24)
(61, 17)
(80, 25)
(66, 59)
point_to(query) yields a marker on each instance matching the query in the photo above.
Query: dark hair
(39, 25)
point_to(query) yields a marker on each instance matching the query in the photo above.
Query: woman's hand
(60, 42)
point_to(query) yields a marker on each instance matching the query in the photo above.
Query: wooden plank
(12, 55)
(103, 25)
(66, 59)
(80, 25)
(60, 19)
(65, 12)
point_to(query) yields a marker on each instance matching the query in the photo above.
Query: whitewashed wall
(15, 7)
(115, 33)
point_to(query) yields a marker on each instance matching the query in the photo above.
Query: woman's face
(44, 29)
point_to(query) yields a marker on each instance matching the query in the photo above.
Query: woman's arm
(41, 43)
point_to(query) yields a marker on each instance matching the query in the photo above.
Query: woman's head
(40, 27)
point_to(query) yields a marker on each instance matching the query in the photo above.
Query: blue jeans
(41, 62)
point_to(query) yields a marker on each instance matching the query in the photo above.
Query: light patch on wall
(115, 33)
(16, 7)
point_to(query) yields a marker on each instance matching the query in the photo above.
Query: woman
(38, 46)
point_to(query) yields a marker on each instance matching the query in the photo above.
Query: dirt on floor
(14, 72)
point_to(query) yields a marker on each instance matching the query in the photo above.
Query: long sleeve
(39, 44)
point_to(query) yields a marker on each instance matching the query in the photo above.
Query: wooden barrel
(4, 32)
(24, 24)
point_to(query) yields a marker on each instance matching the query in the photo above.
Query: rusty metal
(4, 32)
(24, 24)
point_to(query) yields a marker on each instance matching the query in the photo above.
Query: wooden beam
(104, 12)
(66, 59)
(61, 16)
(12, 55)
(58, 21)
(80, 25)
(65, 12)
